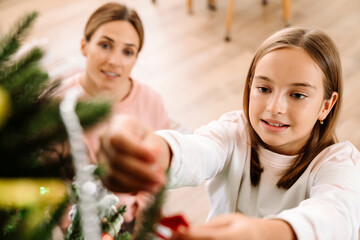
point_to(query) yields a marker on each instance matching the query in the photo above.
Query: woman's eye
(104, 45)
(129, 52)
(298, 95)
(263, 90)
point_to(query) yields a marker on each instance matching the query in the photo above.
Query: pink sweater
(142, 102)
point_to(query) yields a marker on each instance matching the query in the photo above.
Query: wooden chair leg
(212, 5)
(229, 17)
(190, 6)
(287, 11)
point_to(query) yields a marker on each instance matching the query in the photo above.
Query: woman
(112, 40)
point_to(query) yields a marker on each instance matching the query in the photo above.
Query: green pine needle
(150, 217)
(30, 58)
(44, 230)
(88, 112)
(10, 44)
(123, 236)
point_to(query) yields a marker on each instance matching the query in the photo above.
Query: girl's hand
(237, 226)
(134, 158)
(230, 227)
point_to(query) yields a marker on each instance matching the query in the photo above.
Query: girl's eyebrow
(263, 78)
(299, 84)
(113, 41)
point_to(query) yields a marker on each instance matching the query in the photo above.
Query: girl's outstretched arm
(133, 157)
(237, 226)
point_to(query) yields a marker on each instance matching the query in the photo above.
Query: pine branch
(10, 44)
(25, 95)
(30, 58)
(44, 230)
(10, 219)
(46, 126)
(32, 132)
(150, 217)
(88, 112)
(123, 236)
(18, 223)
(33, 125)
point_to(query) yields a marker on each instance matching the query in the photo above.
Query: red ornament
(168, 225)
(106, 236)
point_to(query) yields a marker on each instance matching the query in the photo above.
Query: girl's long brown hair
(323, 51)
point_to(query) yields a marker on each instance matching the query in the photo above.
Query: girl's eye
(129, 52)
(263, 89)
(298, 96)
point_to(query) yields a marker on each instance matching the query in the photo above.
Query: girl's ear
(328, 105)
(83, 46)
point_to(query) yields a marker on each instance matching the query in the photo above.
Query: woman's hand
(237, 226)
(134, 158)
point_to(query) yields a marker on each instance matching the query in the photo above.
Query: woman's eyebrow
(131, 45)
(298, 84)
(113, 41)
(108, 38)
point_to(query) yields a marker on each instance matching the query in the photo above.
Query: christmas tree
(32, 184)
(34, 176)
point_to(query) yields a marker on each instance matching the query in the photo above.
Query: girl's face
(286, 99)
(111, 54)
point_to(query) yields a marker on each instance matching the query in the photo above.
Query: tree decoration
(4, 106)
(33, 187)
(35, 177)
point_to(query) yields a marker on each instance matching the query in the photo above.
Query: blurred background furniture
(286, 4)
(229, 16)
(211, 5)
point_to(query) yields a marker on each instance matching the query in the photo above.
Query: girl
(276, 169)
(113, 38)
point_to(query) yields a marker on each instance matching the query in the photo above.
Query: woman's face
(110, 56)
(286, 99)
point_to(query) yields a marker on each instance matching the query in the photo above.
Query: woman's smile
(110, 75)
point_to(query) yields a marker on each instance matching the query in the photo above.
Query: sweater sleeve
(196, 157)
(333, 209)
(200, 156)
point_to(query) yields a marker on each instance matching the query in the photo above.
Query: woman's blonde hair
(323, 51)
(113, 12)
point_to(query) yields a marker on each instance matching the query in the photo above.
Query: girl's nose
(276, 104)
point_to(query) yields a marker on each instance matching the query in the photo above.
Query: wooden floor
(185, 58)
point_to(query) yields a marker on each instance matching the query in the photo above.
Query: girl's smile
(274, 126)
(286, 99)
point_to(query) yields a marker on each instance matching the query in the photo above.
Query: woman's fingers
(123, 144)
(130, 157)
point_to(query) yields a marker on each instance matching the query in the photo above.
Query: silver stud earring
(321, 121)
